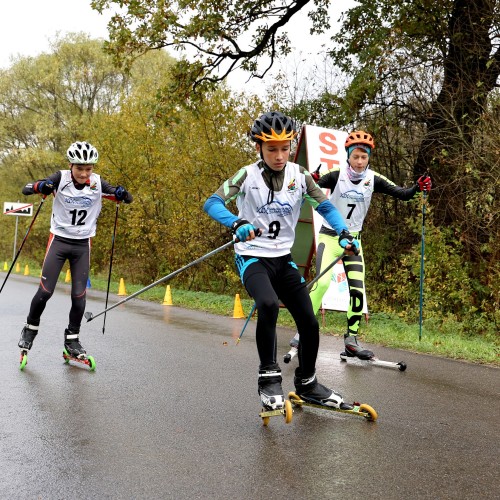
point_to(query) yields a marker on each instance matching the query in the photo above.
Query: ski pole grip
(258, 232)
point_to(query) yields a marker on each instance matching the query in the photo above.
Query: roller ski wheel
(24, 360)
(290, 354)
(360, 410)
(286, 411)
(401, 365)
(86, 360)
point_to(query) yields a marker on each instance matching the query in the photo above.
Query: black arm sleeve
(329, 180)
(385, 186)
(30, 187)
(108, 192)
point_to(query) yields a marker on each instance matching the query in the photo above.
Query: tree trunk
(470, 72)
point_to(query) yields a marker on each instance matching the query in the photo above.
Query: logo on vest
(276, 208)
(79, 201)
(353, 195)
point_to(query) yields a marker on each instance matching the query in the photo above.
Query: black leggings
(77, 252)
(269, 280)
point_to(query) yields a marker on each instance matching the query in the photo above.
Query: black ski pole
(327, 268)
(89, 316)
(24, 240)
(422, 249)
(110, 265)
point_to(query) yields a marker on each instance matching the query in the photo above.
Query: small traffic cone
(89, 284)
(5, 268)
(68, 276)
(238, 310)
(121, 288)
(26, 270)
(167, 300)
(18, 268)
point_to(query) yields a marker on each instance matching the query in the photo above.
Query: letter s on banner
(328, 146)
(328, 141)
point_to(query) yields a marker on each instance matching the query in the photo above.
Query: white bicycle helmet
(82, 153)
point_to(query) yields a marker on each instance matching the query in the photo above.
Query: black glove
(45, 187)
(120, 193)
(346, 238)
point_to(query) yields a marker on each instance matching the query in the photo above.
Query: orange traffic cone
(18, 268)
(26, 270)
(238, 310)
(121, 288)
(5, 268)
(68, 276)
(167, 300)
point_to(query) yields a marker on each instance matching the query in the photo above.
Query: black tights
(77, 252)
(269, 280)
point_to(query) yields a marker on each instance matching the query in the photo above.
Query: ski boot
(28, 334)
(74, 351)
(294, 349)
(309, 389)
(271, 395)
(309, 392)
(353, 349)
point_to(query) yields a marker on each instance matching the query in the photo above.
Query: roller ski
(354, 350)
(309, 392)
(28, 334)
(74, 351)
(271, 396)
(294, 349)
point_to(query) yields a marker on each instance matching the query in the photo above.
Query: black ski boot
(28, 335)
(309, 389)
(270, 390)
(354, 350)
(72, 344)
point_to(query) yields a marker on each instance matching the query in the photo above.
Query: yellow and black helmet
(273, 126)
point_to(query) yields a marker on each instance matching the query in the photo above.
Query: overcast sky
(29, 25)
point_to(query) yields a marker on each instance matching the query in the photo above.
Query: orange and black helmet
(273, 126)
(359, 137)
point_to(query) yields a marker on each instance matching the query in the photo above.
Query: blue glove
(45, 187)
(346, 238)
(242, 228)
(120, 193)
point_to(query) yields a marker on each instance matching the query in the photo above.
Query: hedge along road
(172, 412)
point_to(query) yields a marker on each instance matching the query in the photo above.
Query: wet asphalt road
(172, 412)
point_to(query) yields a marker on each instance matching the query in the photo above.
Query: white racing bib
(276, 219)
(75, 211)
(352, 200)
